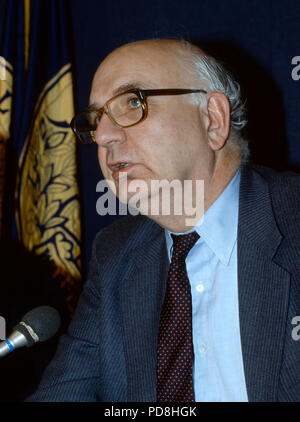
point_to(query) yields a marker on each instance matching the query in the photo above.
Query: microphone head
(44, 321)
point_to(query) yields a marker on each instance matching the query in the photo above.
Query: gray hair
(217, 78)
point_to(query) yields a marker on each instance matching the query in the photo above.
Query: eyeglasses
(125, 110)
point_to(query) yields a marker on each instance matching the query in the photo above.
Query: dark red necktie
(175, 343)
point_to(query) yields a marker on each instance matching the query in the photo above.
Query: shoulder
(283, 187)
(124, 235)
(272, 175)
(116, 245)
(281, 191)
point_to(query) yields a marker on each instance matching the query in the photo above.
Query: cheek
(177, 138)
(186, 146)
(165, 143)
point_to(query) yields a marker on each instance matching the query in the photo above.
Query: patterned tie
(175, 343)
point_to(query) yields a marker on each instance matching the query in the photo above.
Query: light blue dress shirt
(218, 370)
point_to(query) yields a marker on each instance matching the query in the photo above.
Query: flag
(36, 106)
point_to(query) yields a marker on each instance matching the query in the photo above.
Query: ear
(218, 109)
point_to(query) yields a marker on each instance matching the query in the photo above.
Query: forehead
(145, 65)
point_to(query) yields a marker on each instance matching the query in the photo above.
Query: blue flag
(36, 106)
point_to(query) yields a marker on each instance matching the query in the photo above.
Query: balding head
(165, 58)
(169, 49)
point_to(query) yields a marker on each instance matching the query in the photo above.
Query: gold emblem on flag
(48, 213)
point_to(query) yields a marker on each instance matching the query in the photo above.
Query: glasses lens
(85, 125)
(126, 109)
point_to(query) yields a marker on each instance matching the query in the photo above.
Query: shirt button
(200, 288)
(202, 348)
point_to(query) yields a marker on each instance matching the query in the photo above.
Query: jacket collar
(256, 218)
(263, 288)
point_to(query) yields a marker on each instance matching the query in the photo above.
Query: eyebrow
(127, 86)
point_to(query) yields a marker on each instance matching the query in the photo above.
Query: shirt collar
(218, 228)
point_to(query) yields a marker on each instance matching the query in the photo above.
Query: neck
(204, 195)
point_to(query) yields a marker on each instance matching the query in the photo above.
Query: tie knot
(182, 244)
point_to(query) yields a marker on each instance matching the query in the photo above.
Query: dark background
(257, 39)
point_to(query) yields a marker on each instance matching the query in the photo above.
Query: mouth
(118, 167)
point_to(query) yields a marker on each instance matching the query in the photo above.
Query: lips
(119, 167)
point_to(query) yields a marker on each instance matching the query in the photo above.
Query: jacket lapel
(141, 295)
(263, 288)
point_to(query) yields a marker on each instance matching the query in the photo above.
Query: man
(217, 325)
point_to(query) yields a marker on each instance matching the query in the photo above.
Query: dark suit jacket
(109, 353)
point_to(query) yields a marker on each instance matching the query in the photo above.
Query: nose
(108, 133)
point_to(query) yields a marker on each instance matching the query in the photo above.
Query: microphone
(39, 324)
